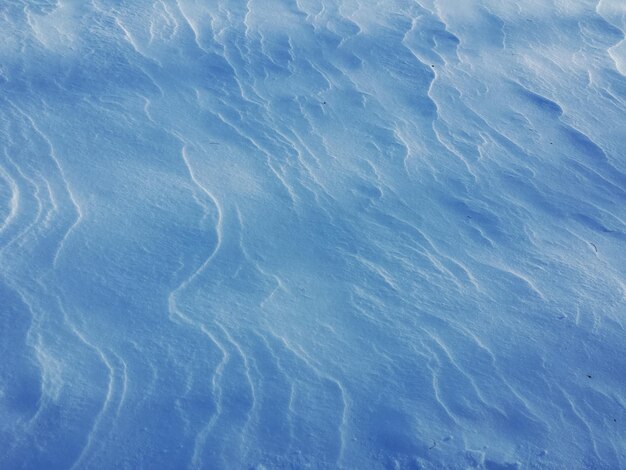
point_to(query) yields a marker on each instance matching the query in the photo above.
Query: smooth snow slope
(312, 234)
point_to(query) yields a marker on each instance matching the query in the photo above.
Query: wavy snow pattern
(312, 234)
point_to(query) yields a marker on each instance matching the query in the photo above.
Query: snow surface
(312, 234)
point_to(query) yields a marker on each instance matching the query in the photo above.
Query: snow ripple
(312, 234)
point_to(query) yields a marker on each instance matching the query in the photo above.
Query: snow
(312, 234)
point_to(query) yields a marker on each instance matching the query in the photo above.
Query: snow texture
(318, 234)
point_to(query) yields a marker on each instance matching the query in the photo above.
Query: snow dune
(312, 234)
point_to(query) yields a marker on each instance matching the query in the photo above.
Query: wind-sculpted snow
(312, 234)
